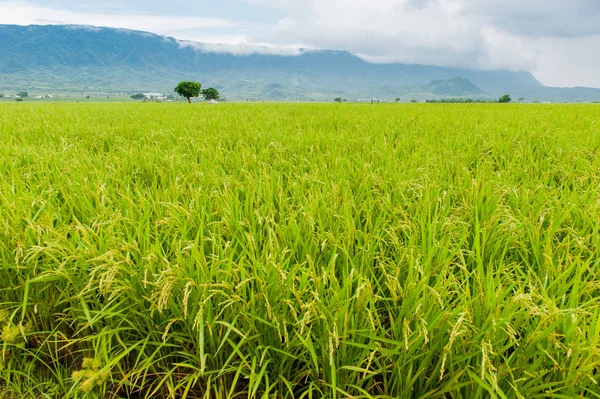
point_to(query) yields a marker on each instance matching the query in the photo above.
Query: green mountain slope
(457, 87)
(88, 59)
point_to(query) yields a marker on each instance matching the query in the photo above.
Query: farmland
(299, 251)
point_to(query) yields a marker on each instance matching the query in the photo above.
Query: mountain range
(83, 59)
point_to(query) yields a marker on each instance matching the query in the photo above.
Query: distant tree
(522, 99)
(397, 99)
(345, 100)
(414, 101)
(23, 94)
(1, 95)
(211, 94)
(18, 100)
(536, 101)
(505, 99)
(138, 96)
(337, 99)
(188, 90)
(88, 96)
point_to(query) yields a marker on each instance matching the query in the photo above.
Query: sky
(557, 40)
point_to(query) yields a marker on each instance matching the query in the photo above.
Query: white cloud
(242, 49)
(21, 13)
(428, 32)
(554, 38)
(504, 50)
(568, 61)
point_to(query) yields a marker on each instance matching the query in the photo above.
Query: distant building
(212, 102)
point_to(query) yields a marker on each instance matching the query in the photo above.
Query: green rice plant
(299, 251)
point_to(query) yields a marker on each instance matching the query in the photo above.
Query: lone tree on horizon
(505, 99)
(211, 94)
(188, 90)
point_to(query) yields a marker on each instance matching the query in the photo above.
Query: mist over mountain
(73, 59)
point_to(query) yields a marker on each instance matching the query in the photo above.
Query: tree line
(19, 96)
(187, 90)
(502, 100)
(505, 99)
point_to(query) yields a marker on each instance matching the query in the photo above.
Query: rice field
(299, 251)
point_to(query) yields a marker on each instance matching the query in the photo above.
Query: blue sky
(229, 9)
(557, 40)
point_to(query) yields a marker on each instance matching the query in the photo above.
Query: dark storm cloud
(539, 18)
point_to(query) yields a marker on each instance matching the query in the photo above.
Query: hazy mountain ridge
(87, 59)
